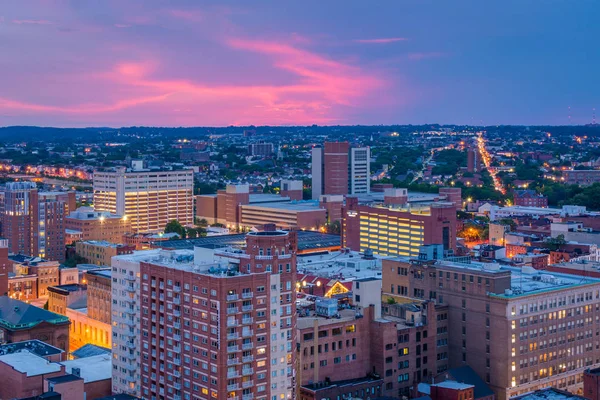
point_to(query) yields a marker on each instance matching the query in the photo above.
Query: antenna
(594, 116)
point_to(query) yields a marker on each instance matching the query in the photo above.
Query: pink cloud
(31, 22)
(122, 26)
(381, 40)
(423, 56)
(314, 89)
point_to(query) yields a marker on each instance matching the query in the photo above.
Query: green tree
(175, 226)
(555, 243)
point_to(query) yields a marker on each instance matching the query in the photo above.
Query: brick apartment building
(519, 330)
(396, 228)
(33, 222)
(101, 252)
(581, 177)
(529, 198)
(213, 324)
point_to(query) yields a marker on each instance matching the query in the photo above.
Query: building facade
(397, 229)
(87, 224)
(529, 198)
(100, 252)
(519, 329)
(227, 327)
(149, 199)
(339, 169)
(33, 222)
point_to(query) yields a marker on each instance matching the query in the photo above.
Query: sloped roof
(465, 374)
(16, 314)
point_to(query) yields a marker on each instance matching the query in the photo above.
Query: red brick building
(529, 198)
(33, 222)
(5, 267)
(20, 321)
(221, 329)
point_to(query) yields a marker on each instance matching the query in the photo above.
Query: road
(487, 159)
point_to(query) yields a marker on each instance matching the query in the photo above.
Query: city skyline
(219, 64)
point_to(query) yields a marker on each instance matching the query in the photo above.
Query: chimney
(76, 371)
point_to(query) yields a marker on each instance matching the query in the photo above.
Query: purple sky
(215, 63)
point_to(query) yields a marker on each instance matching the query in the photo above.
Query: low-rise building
(62, 296)
(87, 224)
(20, 321)
(529, 198)
(101, 252)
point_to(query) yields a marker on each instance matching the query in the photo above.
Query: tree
(555, 243)
(334, 227)
(175, 226)
(203, 222)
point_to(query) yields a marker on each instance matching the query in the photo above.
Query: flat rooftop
(35, 346)
(453, 385)
(92, 369)
(104, 272)
(548, 394)
(525, 281)
(338, 264)
(29, 363)
(291, 206)
(307, 240)
(258, 198)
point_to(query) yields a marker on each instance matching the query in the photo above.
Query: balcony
(176, 313)
(247, 333)
(130, 288)
(247, 384)
(176, 349)
(177, 386)
(130, 278)
(176, 300)
(247, 359)
(232, 336)
(176, 373)
(247, 346)
(248, 396)
(131, 367)
(232, 297)
(247, 371)
(232, 349)
(247, 295)
(263, 257)
(131, 345)
(233, 374)
(232, 322)
(177, 361)
(246, 321)
(284, 256)
(176, 397)
(233, 361)
(131, 379)
(177, 337)
(247, 308)
(232, 310)
(177, 289)
(132, 356)
(177, 325)
(231, 388)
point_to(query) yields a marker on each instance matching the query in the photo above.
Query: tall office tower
(33, 222)
(519, 329)
(149, 198)
(339, 169)
(473, 160)
(360, 170)
(214, 323)
(397, 227)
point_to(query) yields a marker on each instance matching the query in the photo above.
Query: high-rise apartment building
(212, 323)
(338, 168)
(397, 228)
(149, 198)
(260, 149)
(519, 329)
(33, 222)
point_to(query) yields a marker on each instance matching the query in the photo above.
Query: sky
(219, 63)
